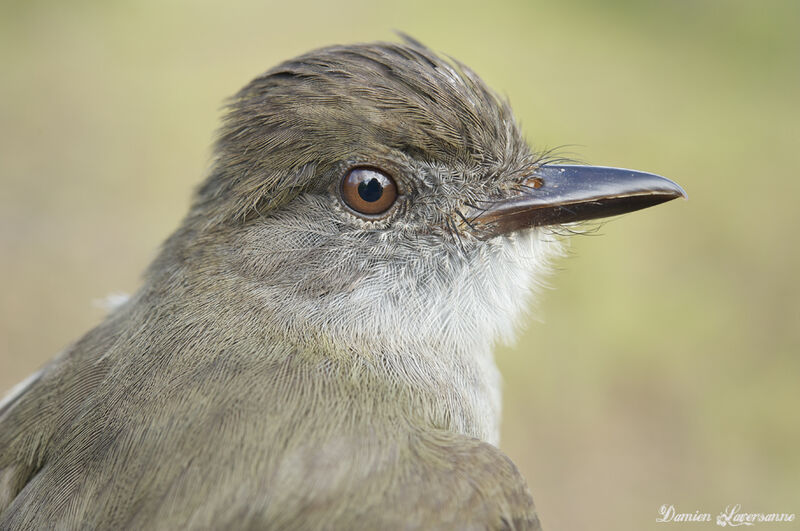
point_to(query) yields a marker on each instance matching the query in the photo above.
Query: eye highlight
(368, 191)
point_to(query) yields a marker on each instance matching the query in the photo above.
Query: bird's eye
(368, 191)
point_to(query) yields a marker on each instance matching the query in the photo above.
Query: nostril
(535, 182)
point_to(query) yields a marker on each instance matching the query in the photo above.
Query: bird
(312, 347)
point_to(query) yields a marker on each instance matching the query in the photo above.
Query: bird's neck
(416, 343)
(441, 385)
(416, 381)
(424, 384)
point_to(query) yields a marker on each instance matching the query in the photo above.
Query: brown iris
(368, 191)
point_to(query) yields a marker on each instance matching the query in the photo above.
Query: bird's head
(375, 197)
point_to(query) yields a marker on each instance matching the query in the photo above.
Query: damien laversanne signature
(732, 516)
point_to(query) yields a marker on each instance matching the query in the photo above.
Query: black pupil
(370, 190)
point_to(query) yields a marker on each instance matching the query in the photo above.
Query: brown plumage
(289, 363)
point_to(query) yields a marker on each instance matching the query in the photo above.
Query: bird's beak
(558, 194)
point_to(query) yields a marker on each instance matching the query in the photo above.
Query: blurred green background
(662, 368)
